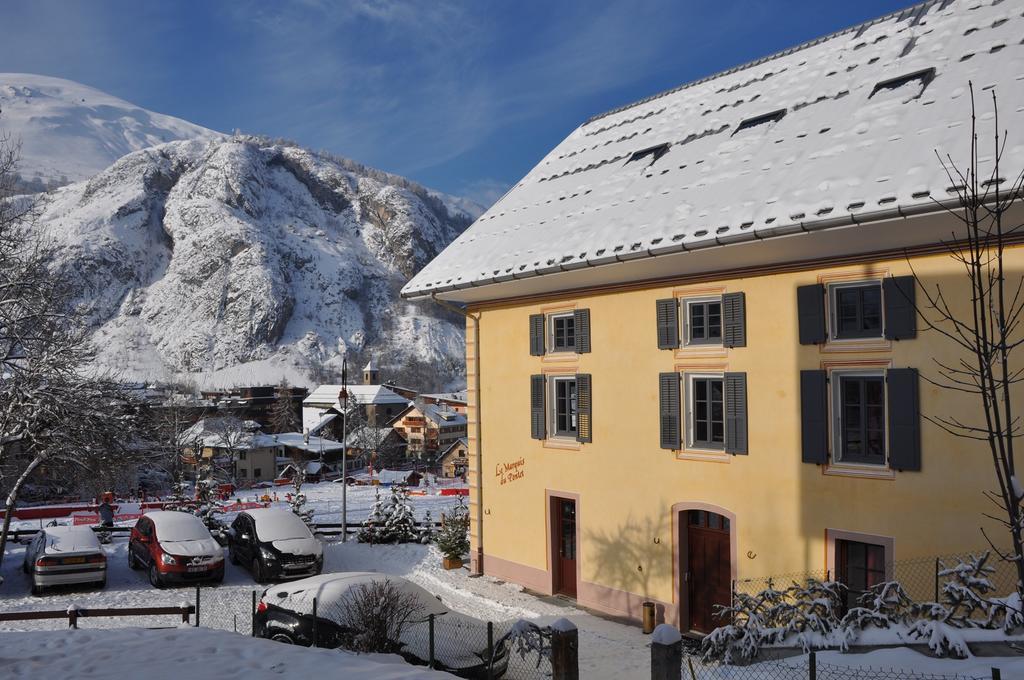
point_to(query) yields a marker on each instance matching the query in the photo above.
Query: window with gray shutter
(810, 302)
(537, 335)
(736, 413)
(584, 407)
(581, 318)
(900, 307)
(904, 419)
(814, 416)
(734, 320)
(537, 386)
(669, 410)
(668, 323)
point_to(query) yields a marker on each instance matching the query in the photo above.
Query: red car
(176, 547)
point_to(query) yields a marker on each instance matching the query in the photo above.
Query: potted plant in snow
(453, 539)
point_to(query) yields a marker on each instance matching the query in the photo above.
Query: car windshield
(181, 527)
(280, 526)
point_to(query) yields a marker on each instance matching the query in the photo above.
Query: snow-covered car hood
(206, 546)
(299, 546)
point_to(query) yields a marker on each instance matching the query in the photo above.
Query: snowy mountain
(240, 259)
(69, 132)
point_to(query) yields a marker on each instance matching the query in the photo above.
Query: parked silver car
(61, 555)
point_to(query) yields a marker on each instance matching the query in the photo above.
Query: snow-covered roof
(296, 440)
(836, 132)
(323, 421)
(367, 433)
(441, 416)
(360, 394)
(395, 476)
(70, 539)
(225, 433)
(461, 441)
(447, 396)
(371, 365)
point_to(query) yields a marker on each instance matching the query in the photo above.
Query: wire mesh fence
(225, 609)
(807, 667)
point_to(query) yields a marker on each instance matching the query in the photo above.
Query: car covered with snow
(65, 555)
(176, 547)
(285, 613)
(274, 544)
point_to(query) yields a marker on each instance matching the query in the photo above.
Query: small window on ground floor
(860, 566)
(257, 472)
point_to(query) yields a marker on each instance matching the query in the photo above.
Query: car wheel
(133, 563)
(37, 590)
(154, 577)
(285, 638)
(232, 555)
(257, 571)
(218, 577)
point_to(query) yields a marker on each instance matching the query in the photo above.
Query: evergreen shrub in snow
(453, 539)
(391, 520)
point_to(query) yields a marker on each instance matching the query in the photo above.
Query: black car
(274, 545)
(285, 614)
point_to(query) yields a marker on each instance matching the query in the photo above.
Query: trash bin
(648, 608)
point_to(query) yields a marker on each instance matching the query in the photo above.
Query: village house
(453, 401)
(454, 460)
(321, 410)
(692, 348)
(428, 429)
(238, 447)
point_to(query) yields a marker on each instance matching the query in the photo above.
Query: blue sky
(462, 96)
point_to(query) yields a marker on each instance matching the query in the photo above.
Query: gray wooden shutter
(669, 409)
(537, 335)
(537, 414)
(810, 302)
(814, 416)
(736, 413)
(584, 408)
(734, 320)
(581, 322)
(900, 307)
(904, 418)
(668, 323)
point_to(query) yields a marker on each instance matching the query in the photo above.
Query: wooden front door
(709, 568)
(563, 532)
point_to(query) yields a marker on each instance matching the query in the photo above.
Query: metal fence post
(197, 605)
(490, 650)
(812, 666)
(316, 625)
(996, 674)
(430, 627)
(936, 579)
(252, 621)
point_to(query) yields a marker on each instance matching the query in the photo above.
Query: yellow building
(692, 348)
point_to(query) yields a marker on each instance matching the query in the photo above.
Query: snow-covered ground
(608, 649)
(177, 653)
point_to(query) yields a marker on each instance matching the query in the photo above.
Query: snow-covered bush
(298, 506)
(453, 539)
(881, 606)
(391, 520)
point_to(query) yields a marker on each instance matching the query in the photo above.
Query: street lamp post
(343, 400)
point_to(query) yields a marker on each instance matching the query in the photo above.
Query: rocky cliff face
(243, 259)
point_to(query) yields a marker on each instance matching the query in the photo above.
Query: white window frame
(552, 410)
(688, 379)
(549, 323)
(835, 415)
(685, 321)
(833, 310)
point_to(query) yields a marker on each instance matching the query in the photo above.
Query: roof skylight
(654, 152)
(914, 83)
(765, 119)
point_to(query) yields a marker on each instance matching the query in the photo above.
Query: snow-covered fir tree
(400, 525)
(373, 530)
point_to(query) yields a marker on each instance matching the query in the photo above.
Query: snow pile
(174, 653)
(69, 132)
(828, 132)
(244, 259)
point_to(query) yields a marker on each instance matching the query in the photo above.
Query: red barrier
(91, 519)
(454, 492)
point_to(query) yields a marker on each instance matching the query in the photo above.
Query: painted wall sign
(510, 472)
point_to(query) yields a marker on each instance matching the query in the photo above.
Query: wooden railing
(72, 614)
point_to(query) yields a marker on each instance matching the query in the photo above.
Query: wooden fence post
(666, 653)
(812, 666)
(565, 648)
(72, 616)
(996, 674)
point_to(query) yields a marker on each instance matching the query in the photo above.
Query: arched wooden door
(709, 568)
